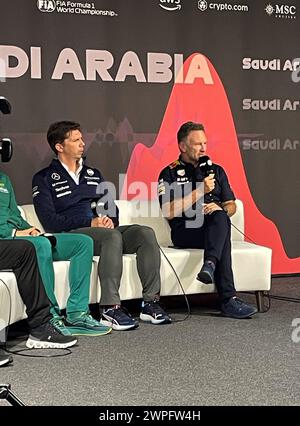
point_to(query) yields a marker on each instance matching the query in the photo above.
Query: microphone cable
(244, 235)
(267, 294)
(181, 287)
(19, 352)
(9, 312)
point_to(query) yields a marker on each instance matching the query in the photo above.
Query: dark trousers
(20, 256)
(214, 238)
(111, 244)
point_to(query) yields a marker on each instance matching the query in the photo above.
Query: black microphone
(5, 106)
(205, 165)
(6, 149)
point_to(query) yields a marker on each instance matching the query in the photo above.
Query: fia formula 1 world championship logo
(46, 5)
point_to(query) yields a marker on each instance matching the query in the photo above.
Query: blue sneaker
(118, 318)
(206, 274)
(236, 308)
(154, 313)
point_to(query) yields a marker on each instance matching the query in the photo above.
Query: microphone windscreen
(5, 106)
(6, 149)
(205, 164)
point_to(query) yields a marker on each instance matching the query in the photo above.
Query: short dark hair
(59, 131)
(187, 128)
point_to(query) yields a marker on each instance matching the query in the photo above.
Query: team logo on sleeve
(174, 164)
(35, 191)
(181, 172)
(55, 176)
(90, 172)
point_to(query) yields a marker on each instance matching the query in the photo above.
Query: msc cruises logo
(46, 5)
(170, 5)
(281, 11)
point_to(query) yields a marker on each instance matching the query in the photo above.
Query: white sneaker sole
(118, 327)
(4, 362)
(149, 318)
(36, 344)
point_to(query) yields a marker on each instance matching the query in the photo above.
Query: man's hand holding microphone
(209, 185)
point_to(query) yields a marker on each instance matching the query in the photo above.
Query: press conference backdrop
(132, 71)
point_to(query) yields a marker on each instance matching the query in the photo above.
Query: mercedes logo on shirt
(55, 176)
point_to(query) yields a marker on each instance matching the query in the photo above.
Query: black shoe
(5, 359)
(47, 336)
(236, 308)
(118, 318)
(206, 274)
(154, 313)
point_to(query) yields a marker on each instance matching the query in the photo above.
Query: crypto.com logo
(296, 332)
(202, 5)
(46, 5)
(170, 5)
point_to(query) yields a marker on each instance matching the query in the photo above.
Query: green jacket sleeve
(10, 216)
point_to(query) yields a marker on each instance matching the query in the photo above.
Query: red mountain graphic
(208, 104)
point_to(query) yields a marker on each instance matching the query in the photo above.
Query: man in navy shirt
(197, 200)
(70, 196)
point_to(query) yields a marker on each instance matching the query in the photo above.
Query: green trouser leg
(45, 261)
(79, 250)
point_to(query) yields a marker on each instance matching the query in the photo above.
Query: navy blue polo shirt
(62, 205)
(183, 178)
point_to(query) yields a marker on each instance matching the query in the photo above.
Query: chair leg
(259, 301)
(3, 334)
